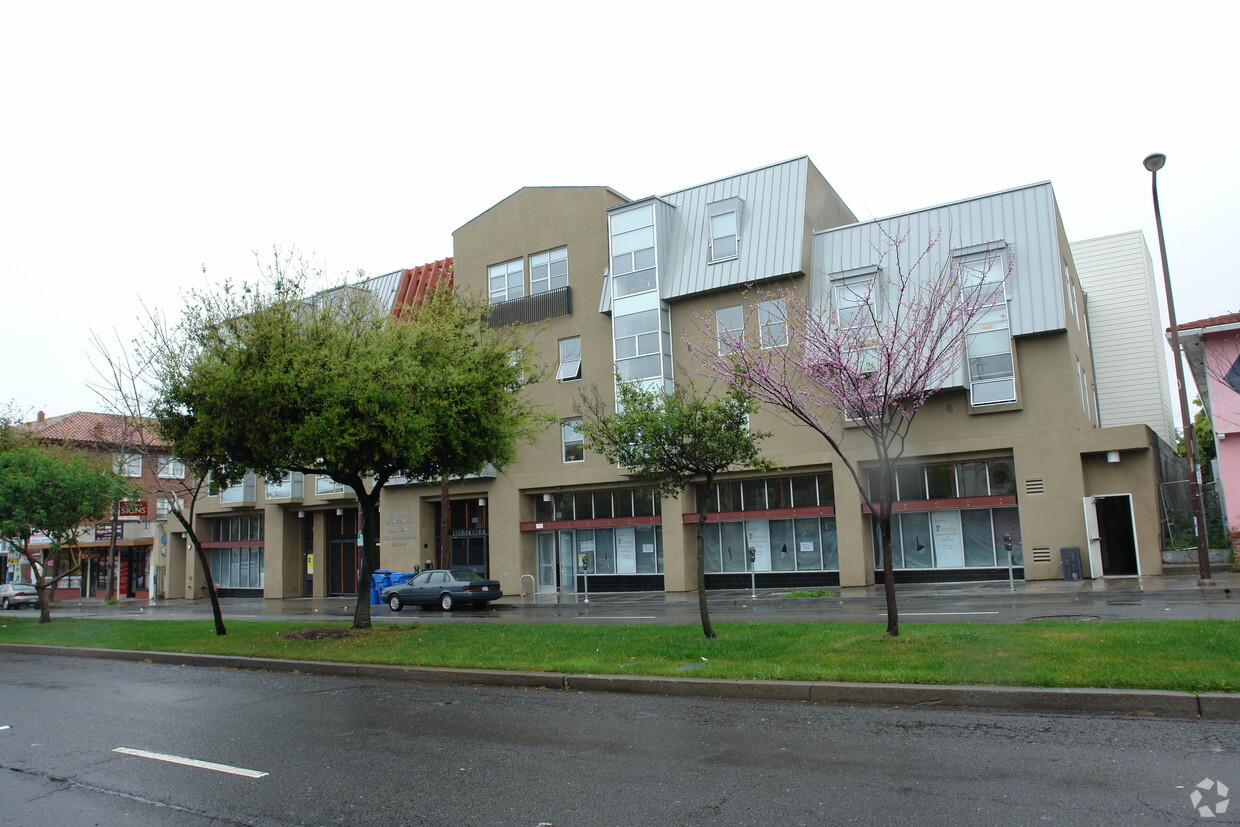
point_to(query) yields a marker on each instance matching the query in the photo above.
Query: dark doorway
(307, 556)
(469, 535)
(1115, 534)
(342, 559)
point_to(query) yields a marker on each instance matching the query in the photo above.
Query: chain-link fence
(1178, 516)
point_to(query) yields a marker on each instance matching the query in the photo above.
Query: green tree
(673, 439)
(51, 491)
(336, 386)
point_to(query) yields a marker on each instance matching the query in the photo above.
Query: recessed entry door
(546, 561)
(1111, 533)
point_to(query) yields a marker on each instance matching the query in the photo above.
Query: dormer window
(725, 222)
(723, 239)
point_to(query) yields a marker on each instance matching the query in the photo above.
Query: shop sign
(103, 531)
(133, 509)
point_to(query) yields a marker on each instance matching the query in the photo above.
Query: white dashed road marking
(190, 762)
(914, 614)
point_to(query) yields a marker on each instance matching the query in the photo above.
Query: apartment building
(1006, 467)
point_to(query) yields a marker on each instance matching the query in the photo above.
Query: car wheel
(395, 603)
(446, 602)
(6, 603)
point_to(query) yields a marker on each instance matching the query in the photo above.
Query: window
(763, 493)
(324, 484)
(127, 465)
(171, 468)
(548, 271)
(772, 323)
(724, 241)
(633, 251)
(570, 359)
(571, 439)
(237, 568)
(984, 274)
(803, 544)
(507, 280)
(729, 327)
(988, 352)
(163, 507)
(1067, 284)
(852, 303)
(638, 351)
(1081, 387)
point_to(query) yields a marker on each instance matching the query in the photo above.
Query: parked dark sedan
(16, 595)
(443, 588)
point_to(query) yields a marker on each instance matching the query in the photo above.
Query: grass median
(1192, 656)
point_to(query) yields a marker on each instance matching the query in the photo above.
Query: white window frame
(127, 465)
(170, 468)
(549, 270)
(725, 226)
(1067, 283)
(570, 437)
(855, 295)
(772, 317)
(324, 484)
(726, 330)
(163, 507)
(646, 342)
(984, 268)
(504, 271)
(628, 230)
(570, 359)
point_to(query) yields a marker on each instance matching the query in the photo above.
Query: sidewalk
(1129, 598)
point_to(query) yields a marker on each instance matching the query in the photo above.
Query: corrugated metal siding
(1130, 354)
(771, 230)
(1024, 218)
(383, 287)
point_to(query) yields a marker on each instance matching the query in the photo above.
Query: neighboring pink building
(1212, 347)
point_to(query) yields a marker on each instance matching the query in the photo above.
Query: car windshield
(21, 585)
(467, 574)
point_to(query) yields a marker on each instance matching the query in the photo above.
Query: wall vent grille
(1041, 555)
(1034, 487)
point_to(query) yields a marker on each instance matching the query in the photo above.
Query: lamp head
(1155, 162)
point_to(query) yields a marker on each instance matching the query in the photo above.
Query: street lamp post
(1154, 163)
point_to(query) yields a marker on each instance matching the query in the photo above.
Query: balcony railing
(531, 309)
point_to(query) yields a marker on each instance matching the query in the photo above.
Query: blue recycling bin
(380, 580)
(399, 578)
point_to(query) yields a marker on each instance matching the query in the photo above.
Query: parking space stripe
(190, 762)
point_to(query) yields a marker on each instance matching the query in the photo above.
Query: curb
(1212, 706)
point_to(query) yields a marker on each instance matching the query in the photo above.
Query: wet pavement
(1174, 597)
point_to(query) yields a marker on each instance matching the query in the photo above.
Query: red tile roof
(86, 427)
(415, 283)
(1213, 321)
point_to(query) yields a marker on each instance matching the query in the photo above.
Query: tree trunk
(216, 614)
(45, 603)
(445, 525)
(368, 557)
(889, 577)
(708, 628)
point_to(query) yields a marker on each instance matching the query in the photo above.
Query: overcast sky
(141, 142)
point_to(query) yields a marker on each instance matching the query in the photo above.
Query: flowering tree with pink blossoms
(867, 355)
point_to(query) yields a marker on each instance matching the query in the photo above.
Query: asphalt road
(348, 751)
